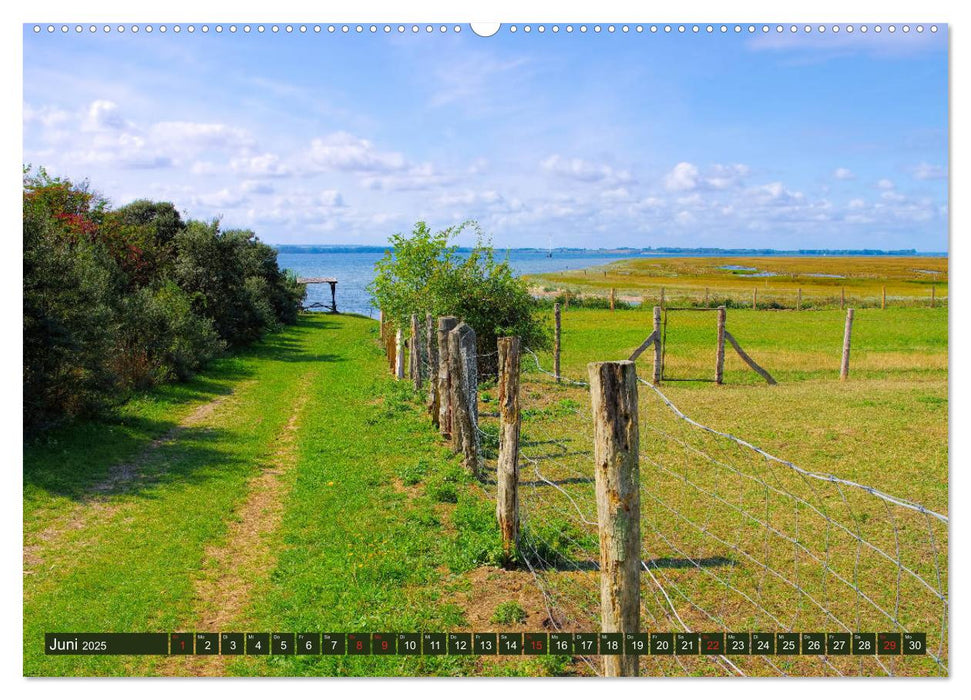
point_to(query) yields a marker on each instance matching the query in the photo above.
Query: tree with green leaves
(424, 272)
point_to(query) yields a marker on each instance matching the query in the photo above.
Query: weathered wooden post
(611, 298)
(933, 299)
(706, 298)
(415, 357)
(799, 299)
(399, 354)
(613, 393)
(463, 371)
(445, 326)
(755, 298)
(507, 469)
(662, 297)
(847, 332)
(431, 357)
(381, 323)
(720, 351)
(883, 297)
(842, 297)
(556, 342)
(657, 345)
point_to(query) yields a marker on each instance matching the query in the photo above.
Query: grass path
(294, 487)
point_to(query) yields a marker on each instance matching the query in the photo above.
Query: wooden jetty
(332, 307)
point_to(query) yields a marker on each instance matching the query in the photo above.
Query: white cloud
(723, 177)
(684, 176)
(885, 184)
(105, 115)
(191, 136)
(583, 170)
(257, 187)
(344, 151)
(204, 167)
(843, 174)
(263, 165)
(46, 116)
(618, 194)
(224, 198)
(469, 198)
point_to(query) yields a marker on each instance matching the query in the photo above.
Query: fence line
(774, 547)
(783, 545)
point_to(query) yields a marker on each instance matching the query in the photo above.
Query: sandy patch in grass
(96, 504)
(223, 589)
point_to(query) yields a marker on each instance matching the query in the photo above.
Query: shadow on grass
(96, 460)
(75, 459)
(554, 561)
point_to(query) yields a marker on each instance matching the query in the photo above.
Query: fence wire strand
(783, 548)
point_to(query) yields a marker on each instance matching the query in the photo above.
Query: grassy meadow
(908, 281)
(297, 487)
(738, 542)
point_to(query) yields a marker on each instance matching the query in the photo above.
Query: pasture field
(297, 487)
(908, 280)
(734, 541)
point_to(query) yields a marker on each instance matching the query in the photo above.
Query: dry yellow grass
(908, 280)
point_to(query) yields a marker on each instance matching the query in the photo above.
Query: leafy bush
(423, 273)
(126, 298)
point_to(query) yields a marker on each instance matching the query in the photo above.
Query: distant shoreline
(291, 249)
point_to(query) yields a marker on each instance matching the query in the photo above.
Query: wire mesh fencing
(733, 539)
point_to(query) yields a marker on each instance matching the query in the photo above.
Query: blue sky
(784, 140)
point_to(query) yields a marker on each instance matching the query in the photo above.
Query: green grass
(359, 546)
(380, 529)
(509, 612)
(886, 427)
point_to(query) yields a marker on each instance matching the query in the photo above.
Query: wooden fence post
(463, 371)
(399, 354)
(799, 299)
(566, 300)
(883, 297)
(414, 357)
(847, 332)
(431, 357)
(706, 298)
(933, 299)
(556, 341)
(755, 298)
(381, 323)
(611, 298)
(658, 358)
(613, 393)
(507, 468)
(662, 297)
(720, 351)
(445, 326)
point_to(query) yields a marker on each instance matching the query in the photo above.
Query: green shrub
(124, 299)
(422, 273)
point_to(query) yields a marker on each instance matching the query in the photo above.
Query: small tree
(424, 273)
